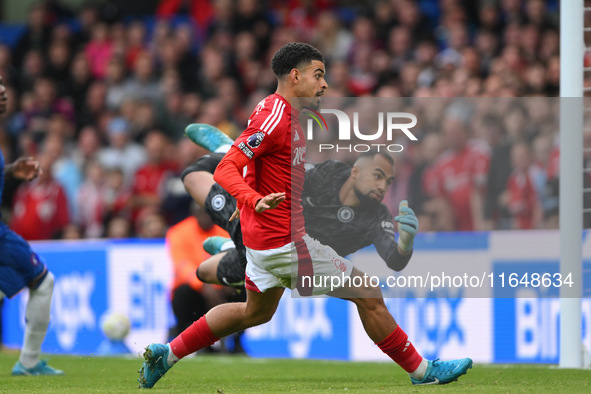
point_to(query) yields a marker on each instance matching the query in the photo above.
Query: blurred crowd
(480, 163)
(101, 95)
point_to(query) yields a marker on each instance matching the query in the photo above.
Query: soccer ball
(116, 326)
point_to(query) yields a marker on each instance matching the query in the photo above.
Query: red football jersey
(455, 175)
(522, 199)
(275, 146)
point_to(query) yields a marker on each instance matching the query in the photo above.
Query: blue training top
(3, 227)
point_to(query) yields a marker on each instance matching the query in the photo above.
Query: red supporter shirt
(40, 210)
(148, 180)
(554, 164)
(273, 149)
(456, 175)
(522, 199)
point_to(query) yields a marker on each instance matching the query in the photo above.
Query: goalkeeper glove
(408, 225)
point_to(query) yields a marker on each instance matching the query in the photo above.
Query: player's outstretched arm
(228, 175)
(26, 168)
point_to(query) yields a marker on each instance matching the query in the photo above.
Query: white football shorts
(279, 267)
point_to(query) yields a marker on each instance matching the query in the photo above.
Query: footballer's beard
(312, 103)
(365, 199)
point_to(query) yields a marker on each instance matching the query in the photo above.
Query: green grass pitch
(231, 374)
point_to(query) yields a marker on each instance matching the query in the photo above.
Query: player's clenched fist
(408, 225)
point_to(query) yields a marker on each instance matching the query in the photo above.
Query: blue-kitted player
(20, 267)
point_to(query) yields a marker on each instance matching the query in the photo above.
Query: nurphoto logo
(391, 123)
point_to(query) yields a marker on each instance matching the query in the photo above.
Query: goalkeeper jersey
(346, 229)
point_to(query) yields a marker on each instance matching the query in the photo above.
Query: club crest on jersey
(217, 202)
(34, 259)
(346, 214)
(255, 140)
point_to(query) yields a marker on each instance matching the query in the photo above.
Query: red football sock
(398, 347)
(197, 336)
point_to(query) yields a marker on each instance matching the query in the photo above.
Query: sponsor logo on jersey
(387, 225)
(296, 137)
(346, 214)
(218, 202)
(246, 150)
(255, 140)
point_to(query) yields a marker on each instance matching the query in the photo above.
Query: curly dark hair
(293, 55)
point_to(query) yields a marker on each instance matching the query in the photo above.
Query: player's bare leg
(207, 271)
(198, 184)
(219, 322)
(392, 340)
(259, 308)
(377, 320)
